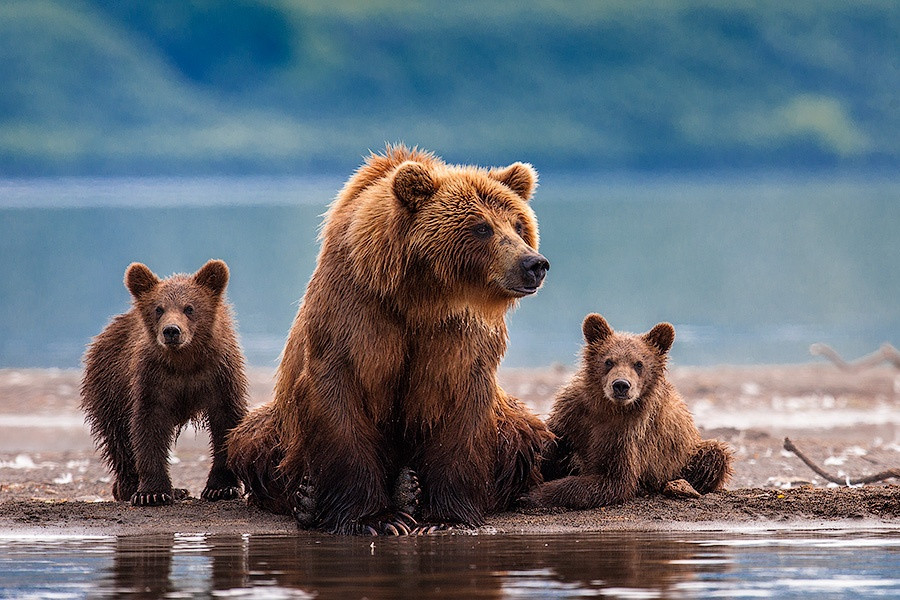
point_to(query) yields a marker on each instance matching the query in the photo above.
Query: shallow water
(864, 564)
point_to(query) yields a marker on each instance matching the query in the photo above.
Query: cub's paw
(225, 493)
(180, 494)
(151, 498)
(680, 488)
(304, 503)
(529, 501)
(407, 492)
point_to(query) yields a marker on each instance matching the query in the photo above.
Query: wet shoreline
(51, 479)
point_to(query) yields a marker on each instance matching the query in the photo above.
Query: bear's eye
(638, 367)
(483, 231)
(188, 310)
(159, 311)
(609, 363)
(520, 229)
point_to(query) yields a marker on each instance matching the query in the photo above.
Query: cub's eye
(159, 311)
(483, 231)
(188, 310)
(638, 367)
(520, 229)
(609, 363)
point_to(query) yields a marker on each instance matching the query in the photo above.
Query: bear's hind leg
(710, 467)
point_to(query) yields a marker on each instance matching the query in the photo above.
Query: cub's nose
(172, 334)
(535, 267)
(620, 387)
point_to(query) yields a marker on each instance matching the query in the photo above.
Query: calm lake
(749, 270)
(862, 564)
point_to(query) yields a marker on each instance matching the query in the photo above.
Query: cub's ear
(413, 184)
(213, 276)
(661, 337)
(139, 279)
(519, 177)
(595, 328)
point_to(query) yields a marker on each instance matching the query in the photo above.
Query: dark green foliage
(107, 86)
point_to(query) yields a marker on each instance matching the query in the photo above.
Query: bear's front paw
(151, 498)
(224, 493)
(304, 508)
(407, 492)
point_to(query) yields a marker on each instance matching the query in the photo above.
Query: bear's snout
(172, 335)
(621, 387)
(534, 268)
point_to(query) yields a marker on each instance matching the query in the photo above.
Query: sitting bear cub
(622, 428)
(172, 358)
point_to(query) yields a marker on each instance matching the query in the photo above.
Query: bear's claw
(432, 529)
(225, 493)
(158, 498)
(151, 499)
(393, 524)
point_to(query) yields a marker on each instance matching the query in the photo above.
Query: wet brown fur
(612, 447)
(392, 357)
(138, 390)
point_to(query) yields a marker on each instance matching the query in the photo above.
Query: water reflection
(444, 567)
(627, 565)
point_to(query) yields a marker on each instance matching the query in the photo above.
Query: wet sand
(52, 481)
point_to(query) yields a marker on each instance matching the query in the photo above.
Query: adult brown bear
(392, 358)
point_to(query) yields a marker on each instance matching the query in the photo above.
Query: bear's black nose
(535, 267)
(620, 387)
(172, 334)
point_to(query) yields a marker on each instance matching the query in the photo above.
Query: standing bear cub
(172, 358)
(622, 429)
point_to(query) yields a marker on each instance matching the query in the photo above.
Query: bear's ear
(661, 337)
(595, 328)
(139, 279)
(413, 184)
(519, 177)
(213, 276)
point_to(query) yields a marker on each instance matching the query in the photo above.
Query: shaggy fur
(622, 428)
(172, 358)
(391, 361)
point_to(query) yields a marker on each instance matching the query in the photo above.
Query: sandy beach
(51, 478)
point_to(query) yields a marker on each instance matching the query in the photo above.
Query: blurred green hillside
(272, 86)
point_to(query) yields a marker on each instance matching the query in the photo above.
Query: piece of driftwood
(885, 353)
(790, 447)
(891, 354)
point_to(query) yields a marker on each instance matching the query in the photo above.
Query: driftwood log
(790, 447)
(886, 353)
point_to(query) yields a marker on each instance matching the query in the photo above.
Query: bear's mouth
(523, 290)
